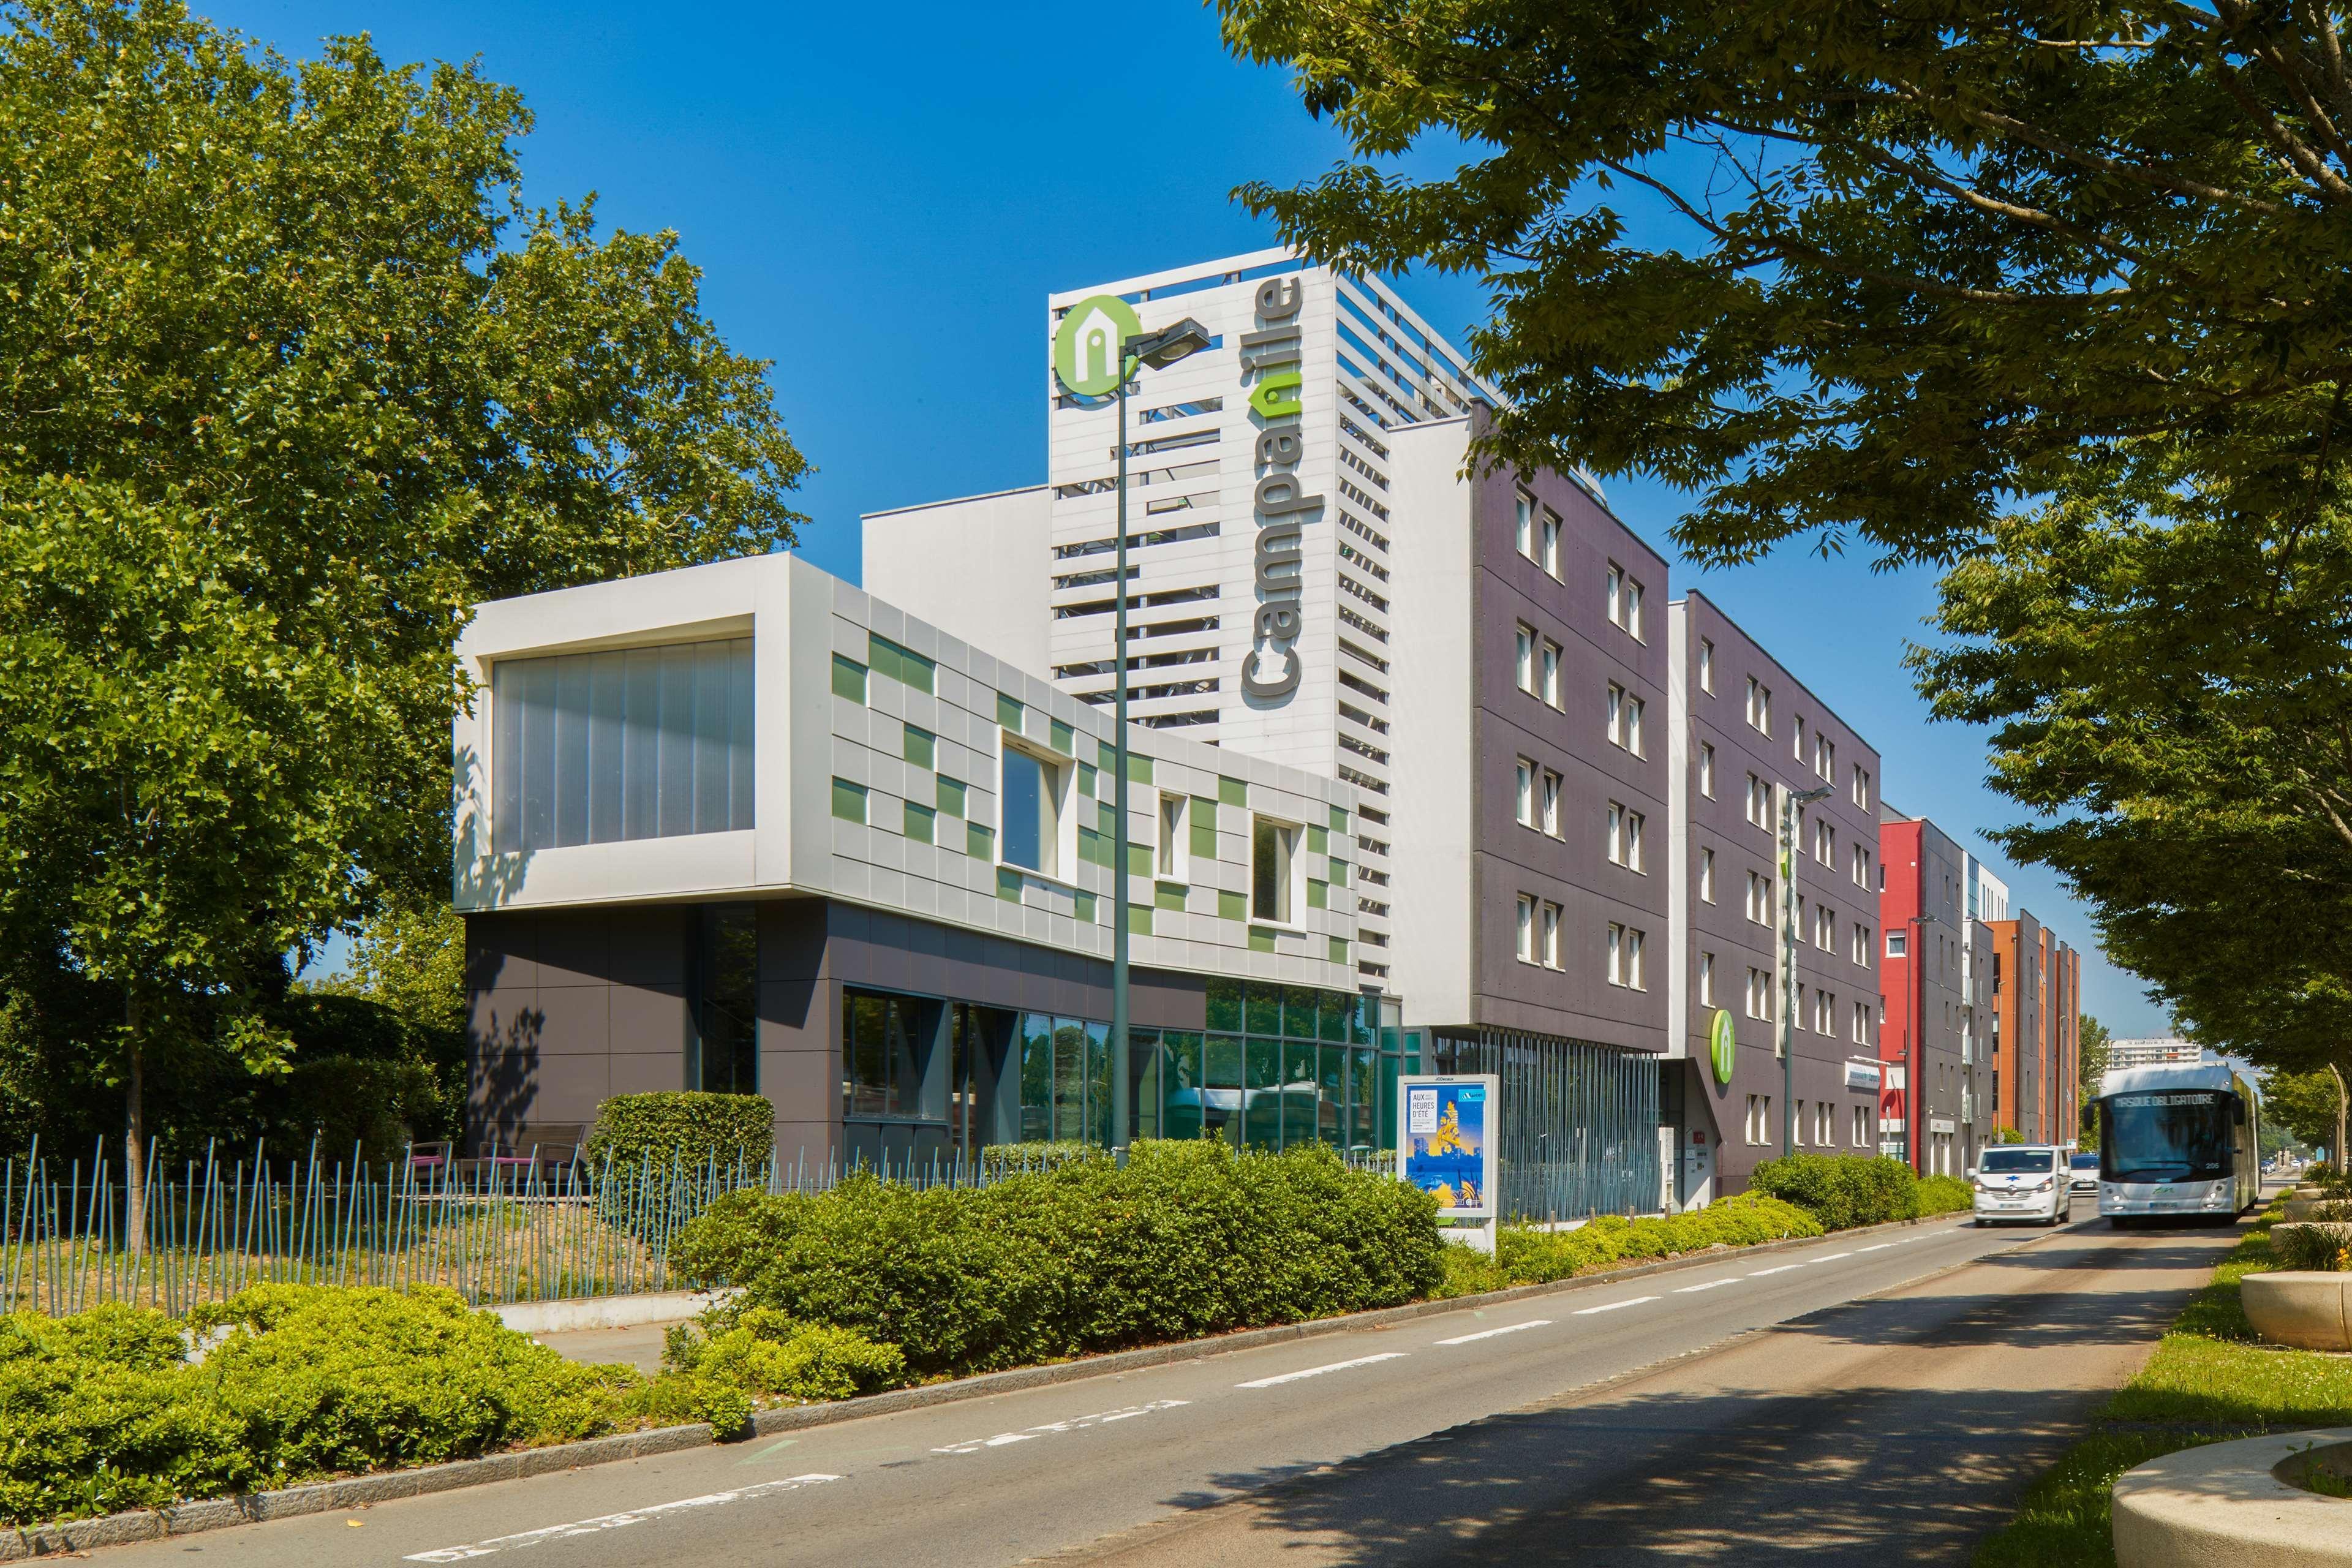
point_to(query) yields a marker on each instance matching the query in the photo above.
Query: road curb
(386, 1486)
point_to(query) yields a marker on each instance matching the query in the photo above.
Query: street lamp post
(1784, 1031)
(1159, 350)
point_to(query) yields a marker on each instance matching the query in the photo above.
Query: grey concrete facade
(1724, 840)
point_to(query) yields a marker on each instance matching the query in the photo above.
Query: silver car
(2086, 1172)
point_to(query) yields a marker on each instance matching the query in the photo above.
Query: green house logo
(1086, 349)
(1722, 1046)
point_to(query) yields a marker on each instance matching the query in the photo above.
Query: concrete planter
(2299, 1207)
(2236, 1503)
(2306, 1309)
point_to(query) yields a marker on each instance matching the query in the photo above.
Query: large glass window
(1033, 809)
(649, 742)
(1273, 848)
(886, 1045)
(723, 1057)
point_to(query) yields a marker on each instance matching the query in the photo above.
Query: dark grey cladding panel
(575, 948)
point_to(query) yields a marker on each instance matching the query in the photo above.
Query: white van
(2026, 1181)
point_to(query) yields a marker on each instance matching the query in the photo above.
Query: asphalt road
(1867, 1399)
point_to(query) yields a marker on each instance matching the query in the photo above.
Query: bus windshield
(2165, 1135)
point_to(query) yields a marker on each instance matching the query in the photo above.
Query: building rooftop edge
(950, 501)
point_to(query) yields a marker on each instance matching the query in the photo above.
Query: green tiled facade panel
(978, 842)
(1008, 883)
(848, 679)
(1138, 919)
(899, 663)
(1318, 894)
(1139, 769)
(1232, 792)
(1061, 737)
(1008, 712)
(1339, 950)
(1168, 895)
(951, 795)
(1261, 940)
(1138, 859)
(1232, 906)
(1204, 841)
(1106, 819)
(1085, 908)
(848, 801)
(921, 747)
(1087, 780)
(1339, 873)
(921, 823)
(1339, 819)
(1318, 840)
(1094, 848)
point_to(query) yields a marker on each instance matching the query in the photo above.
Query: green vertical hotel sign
(1722, 1047)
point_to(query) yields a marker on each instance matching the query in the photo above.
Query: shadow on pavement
(1895, 1468)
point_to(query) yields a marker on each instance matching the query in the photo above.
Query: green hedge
(1529, 1256)
(1946, 1194)
(1188, 1238)
(695, 1130)
(101, 1411)
(1841, 1190)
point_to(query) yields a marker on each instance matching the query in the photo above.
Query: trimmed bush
(761, 1351)
(1188, 1238)
(691, 1129)
(1529, 1256)
(102, 1411)
(1944, 1195)
(1841, 1190)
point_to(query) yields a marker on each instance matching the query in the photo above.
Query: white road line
(1782, 1270)
(1829, 1258)
(1880, 1248)
(1710, 1285)
(1490, 1334)
(1075, 1424)
(1320, 1371)
(1614, 1305)
(499, 1543)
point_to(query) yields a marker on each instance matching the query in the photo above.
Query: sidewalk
(640, 1347)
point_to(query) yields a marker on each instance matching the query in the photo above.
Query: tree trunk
(134, 1136)
(2338, 1150)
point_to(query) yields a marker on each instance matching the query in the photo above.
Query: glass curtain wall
(649, 742)
(1580, 1122)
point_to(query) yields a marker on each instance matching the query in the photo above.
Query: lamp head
(1164, 347)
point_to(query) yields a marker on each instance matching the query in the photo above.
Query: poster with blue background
(1445, 1140)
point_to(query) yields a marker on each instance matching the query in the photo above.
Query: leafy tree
(2168, 685)
(1858, 270)
(2305, 1104)
(2091, 1038)
(289, 376)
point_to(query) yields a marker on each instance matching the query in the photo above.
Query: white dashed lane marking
(1612, 1306)
(1075, 1424)
(1710, 1285)
(1782, 1270)
(1320, 1371)
(1490, 1334)
(499, 1543)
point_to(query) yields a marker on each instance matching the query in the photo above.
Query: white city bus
(2179, 1141)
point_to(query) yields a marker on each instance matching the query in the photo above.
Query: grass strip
(2211, 1379)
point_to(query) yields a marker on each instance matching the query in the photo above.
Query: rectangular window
(1757, 814)
(723, 1048)
(1801, 1123)
(1551, 936)
(1523, 526)
(885, 1047)
(1705, 664)
(1633, 709)
(1825, 928)
(1759, 898)
(1797, 740)
(1635, 979)
(1550, 559)
(1861, 867)
(1859, 1125)
(1825, 844)
(1759, 706)
(1862, 787)
(1707, 980)
(1616, 712)
(1616, 832)
(1616, 954)
(1551, 672)
(591, 748)
(1706, 770)
(1633, 620)
(1032, 805)
(1616, 588)
(1171, 861)
(1633, 820)
(1894, 943)
(1551, 803)
(1273, 854)
(1861, 1025)
(1527, 930)
(1707, 876)
(1524, 794)
(1527, 658)
(1862, 945)
(1760, 994)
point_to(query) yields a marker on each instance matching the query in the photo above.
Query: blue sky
(881, 200)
